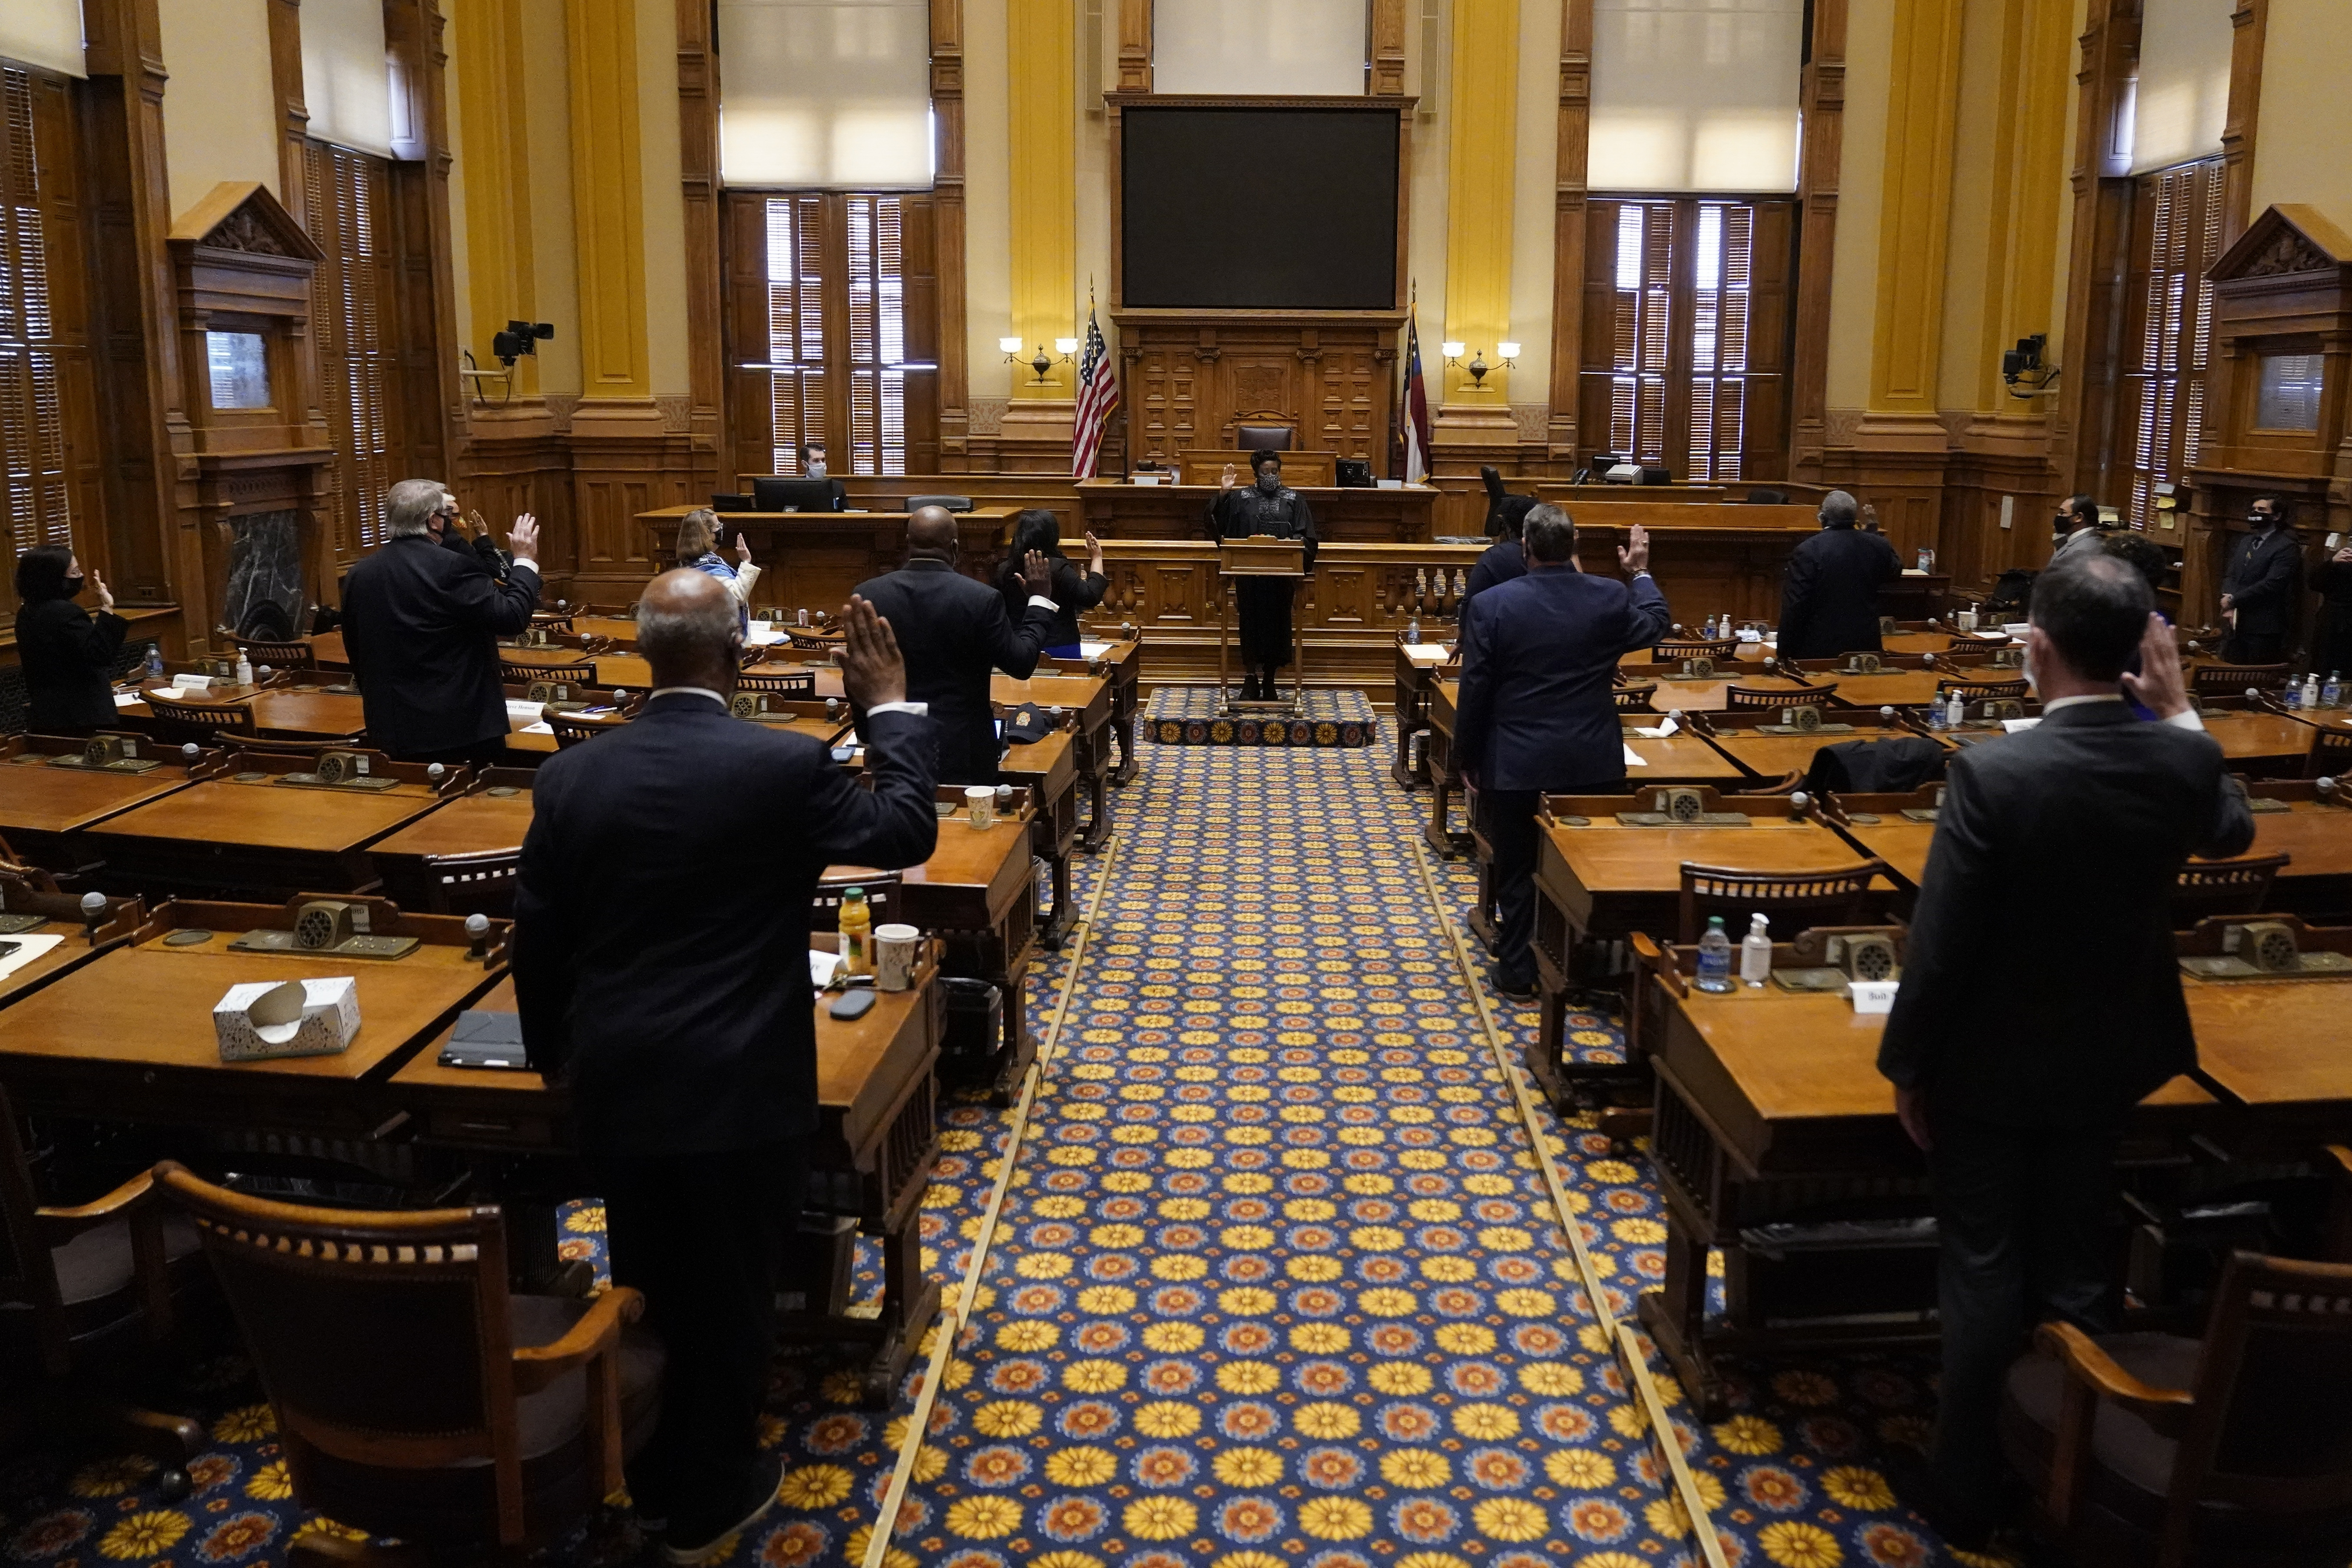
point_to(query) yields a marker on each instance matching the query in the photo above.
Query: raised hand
(2158, 686)
(742, 549)
(872, 671)
(1225, 480)
(97, 585)
(1634, 556)
(523, 539)
(1094, 553)
(1038, 573)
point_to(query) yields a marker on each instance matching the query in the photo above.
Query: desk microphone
(435, 773)
(93, 915)
(477, 928)
(261, 675)
(1886, 712)
(1800, 804)
(2328, 788)
(189, 752)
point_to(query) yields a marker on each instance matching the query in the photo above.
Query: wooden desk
(1672, 692)
(2260, 742)
(1048, 770)
(488, 819)
(2274, 1048)
(327, 648)
(2317, 880)
(1114, 509)
(1089, 697)
(258, 837)
(44, 809)
(1769, 1108)
(1445, 773)
(975, 893)
(1415, 672)
(1896, 688)
(1124, 660)
(78, 944)
(1761, 756)
(1896, 839)
(877, 1138)
(128, 1036)
(811, 560)
(1708, 558)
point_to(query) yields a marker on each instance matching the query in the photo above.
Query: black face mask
(1269, 484)
(2262, 519)
(73, 585)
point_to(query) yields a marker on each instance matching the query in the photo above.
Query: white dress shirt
(2186, 719)
(921, 710)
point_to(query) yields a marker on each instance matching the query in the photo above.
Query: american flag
(1097, 396)
(1417, 404)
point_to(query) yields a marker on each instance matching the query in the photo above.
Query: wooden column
(2249, 23)
(608, 201)
(2097, 259)
(1388, 48)
(501, 276)
(1822, 98)
(697, 143)
(1135, 45)
(948, 219)
(1569, 223)
(293, 112)
(1482, 135)
(1915, 227)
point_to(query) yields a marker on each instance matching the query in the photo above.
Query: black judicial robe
(1264, 602)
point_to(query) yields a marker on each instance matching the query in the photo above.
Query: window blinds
(825, 94)
(45, 33)
(2183, 95)
(347, 74)
(1696, 95)
(1278, 48)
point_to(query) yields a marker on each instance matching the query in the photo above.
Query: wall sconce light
(1045, 362)
(1511, 355)
(1452, 351)
(1011, 348)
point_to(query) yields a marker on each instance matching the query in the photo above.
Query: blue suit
(1537, 714)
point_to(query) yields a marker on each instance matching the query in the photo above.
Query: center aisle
(1277, 1280)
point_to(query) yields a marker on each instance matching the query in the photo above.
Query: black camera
(521, 338)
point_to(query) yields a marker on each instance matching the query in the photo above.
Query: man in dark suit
(1536, 714)
(953, 632)
(422, 624)
(661, 928)
(1506, 558)
(1829, 605)
(2041, 1000)
(2259, 588)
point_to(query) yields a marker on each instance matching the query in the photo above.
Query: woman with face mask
(67, 654)
(1264, 507)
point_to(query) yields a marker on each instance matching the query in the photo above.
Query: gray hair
(674, 639)
(698, 535)
(1549, 534)
(409, 506)
(1839, 509)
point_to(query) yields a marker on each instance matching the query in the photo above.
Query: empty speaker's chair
(951, 503)
(1262, 438)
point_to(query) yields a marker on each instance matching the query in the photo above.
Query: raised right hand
(1225, 480)
(97, 585)
(523, 539)
(1634, 556)
(872, 669)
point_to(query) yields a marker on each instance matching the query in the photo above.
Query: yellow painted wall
(987, 192)
(1535, 234)
(2302, 151)
(219, 123)
(1043, 57)
(1869, 51)
(547, 97)
(1481, 192)
(664, 199)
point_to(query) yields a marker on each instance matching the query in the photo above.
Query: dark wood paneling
(1191, 381)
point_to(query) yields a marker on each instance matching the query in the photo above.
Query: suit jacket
(1538, 654)
(68, 656)
(954, 632)
(2264, 575)
(421, 624)
(1075, 590)
(2039, 987)
(1829, 603)
(677, 1001)
(1503, 561)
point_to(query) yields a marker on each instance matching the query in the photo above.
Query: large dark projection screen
(1259, 208)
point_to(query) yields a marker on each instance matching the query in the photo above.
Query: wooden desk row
(114, 1026)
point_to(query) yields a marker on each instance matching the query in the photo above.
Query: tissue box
(265, 1018)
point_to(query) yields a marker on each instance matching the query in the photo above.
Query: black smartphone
(851, 1005)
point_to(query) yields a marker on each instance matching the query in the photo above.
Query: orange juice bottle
(856, 932)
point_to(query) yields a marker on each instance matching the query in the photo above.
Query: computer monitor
(1353, 473)
(792, 495)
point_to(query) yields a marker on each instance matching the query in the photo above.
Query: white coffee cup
(981, 801)
(1967, 620)
(896, 948)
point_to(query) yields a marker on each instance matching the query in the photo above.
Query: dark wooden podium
(1260, 556)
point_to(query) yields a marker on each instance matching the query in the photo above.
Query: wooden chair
(881, 889)
(87, 1284)
(415, 1398)
(1760, 699)
(2225, 887)
(1793, 901)
(1721, 649)
(800, 683)
(277, 655)
(2331, 757)
(205, 723)
(570, 728)
(2165, 1450)
(1982, 690)
(514, 672)
(2232, 680)
(479, 883)
(1636, 698)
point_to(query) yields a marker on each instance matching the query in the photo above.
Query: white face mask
(816, 467)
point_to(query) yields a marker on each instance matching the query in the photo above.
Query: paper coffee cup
(981, 801)
(894, 951)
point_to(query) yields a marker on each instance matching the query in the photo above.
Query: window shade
(1696, 95)
(2183, 96)
(45, 33)
(825, 94)
(347, 75)
(1278, 48)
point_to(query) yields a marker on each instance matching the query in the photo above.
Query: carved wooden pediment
(2285, 240)
(242, 217)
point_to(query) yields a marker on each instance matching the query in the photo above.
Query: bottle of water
(1715, 957)
(2290, 695)
(2332, 694)
(1756, 952)
(1413, 630)
(154, 662)
(2311, 689)
(1935, 712)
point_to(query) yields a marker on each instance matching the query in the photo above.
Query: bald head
(687, 630)
(931, 531)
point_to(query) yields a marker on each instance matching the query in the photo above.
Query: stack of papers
(1092, 649)
(1437, 650)
(1634, 759)
(1659, 732)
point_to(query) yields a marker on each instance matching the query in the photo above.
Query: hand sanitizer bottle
(1756, 952)
(1959, 714)
(1715, 957)
(2311, 689)
(244, 671)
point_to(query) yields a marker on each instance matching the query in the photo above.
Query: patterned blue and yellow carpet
(1277, 1280)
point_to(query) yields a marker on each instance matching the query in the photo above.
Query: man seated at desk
(1828, 603)
(953, 631)
(813, 467)
(421, 624)
(1537, 712)
(2041, 1000)
(1265, 508)
(677, 1003)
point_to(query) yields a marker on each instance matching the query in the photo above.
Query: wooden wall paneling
(293, 113)
(1564, 439)
(926, 305)
(1822, 104)
(1385, 73)
(1191, 379)
(952, 402)
(2249, 26)
(698, 124)
(1134, 57)
(416, 37)
(2082, 450)
(750, 417)
(152, 547)
(615, 477)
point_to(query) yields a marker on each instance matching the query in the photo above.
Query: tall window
(354, 309)
(1686, 335)
(44, 357)
(833, 314)
(2168, 338)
